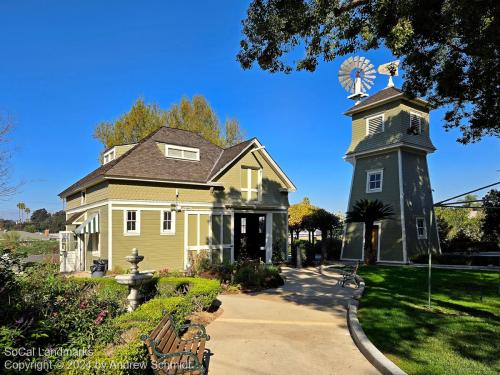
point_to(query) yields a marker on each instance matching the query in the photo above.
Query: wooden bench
(172, 354)
(350, 276)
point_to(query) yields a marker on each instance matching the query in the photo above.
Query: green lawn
(459, 335)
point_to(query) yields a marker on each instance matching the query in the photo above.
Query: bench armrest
(198, 335)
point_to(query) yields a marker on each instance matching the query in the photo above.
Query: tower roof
(383, 96)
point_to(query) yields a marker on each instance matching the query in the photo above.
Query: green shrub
(279, 252)
(200, 293)
(254, 275)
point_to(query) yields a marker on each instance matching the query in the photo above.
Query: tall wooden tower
(389, 147)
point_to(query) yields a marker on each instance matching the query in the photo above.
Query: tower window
(374, 180)
(421, 228)
(375, 124)
(415, 123)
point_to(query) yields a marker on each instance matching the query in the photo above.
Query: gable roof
(146, 161)
(385, 95)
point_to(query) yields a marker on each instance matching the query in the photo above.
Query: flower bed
(47, 311)
(127, 355)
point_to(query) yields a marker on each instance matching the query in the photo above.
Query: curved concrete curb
(365, 346)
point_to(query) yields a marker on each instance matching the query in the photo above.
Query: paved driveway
(297, 329)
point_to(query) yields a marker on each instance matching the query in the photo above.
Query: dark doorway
(250, 236)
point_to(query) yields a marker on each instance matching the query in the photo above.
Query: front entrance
(250, 236)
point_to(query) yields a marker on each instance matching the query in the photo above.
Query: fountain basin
(134, 279)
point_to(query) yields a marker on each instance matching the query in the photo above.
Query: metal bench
(350, 275)
(172, 354)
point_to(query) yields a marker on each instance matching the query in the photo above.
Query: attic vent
(375, 124)
(181, 152)
(415, 124)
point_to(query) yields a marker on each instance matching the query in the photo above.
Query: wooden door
(375, 239)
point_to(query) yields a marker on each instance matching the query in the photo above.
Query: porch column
(269, 237)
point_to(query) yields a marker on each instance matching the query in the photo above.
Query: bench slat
(160, 328)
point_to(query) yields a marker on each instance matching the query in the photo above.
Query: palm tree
(21, 206)
(28, 211)
(368, 212)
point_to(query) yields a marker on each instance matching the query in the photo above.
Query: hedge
(131, 357)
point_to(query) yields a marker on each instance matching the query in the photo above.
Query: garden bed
(88, 315)
(458, 335)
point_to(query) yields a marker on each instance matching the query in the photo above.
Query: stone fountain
(134, 279)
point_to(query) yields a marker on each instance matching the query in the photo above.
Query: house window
(421, 228)
(415, 123)
(243, 225)
(108, 156)
(84, 197)
(251, 183)
(374, 181)
(132, 222)
(167, 222)
(375, 124)
(180, 152)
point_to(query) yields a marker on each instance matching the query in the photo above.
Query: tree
(368, 212)
(326, 222)
(460, 223)
(21, 207)
(196, 115)
(57, 222)
(491, 221)
(39, 218)
(296, 214)
(449, 48)
(27, 211)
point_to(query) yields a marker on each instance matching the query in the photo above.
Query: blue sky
(65, 66)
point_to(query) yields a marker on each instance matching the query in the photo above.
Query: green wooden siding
(418, 203)
(391, 236)
(396, 123)
(160, 251)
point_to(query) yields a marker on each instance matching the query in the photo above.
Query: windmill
(356, 76)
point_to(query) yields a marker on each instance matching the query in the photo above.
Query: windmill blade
(350, 68)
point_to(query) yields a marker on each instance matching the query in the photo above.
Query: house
(172, 195)
(388, 150)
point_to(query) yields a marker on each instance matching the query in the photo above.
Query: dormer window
(181, 152)
(108, 156)
(375, 124)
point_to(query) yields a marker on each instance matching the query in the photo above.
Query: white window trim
(424, 236)
(182, 148)
(374, 171)
(171, 231)
(137, 231)
(367, 127)
(83, 197)
(248, 190)
(109, 156)
(420, 118)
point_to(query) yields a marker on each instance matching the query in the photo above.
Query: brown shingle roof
(228, 155)
(146, 160)
(379, 96)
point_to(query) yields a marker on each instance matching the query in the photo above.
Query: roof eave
(354, 110)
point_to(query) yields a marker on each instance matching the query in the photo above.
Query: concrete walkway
(297, 329)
